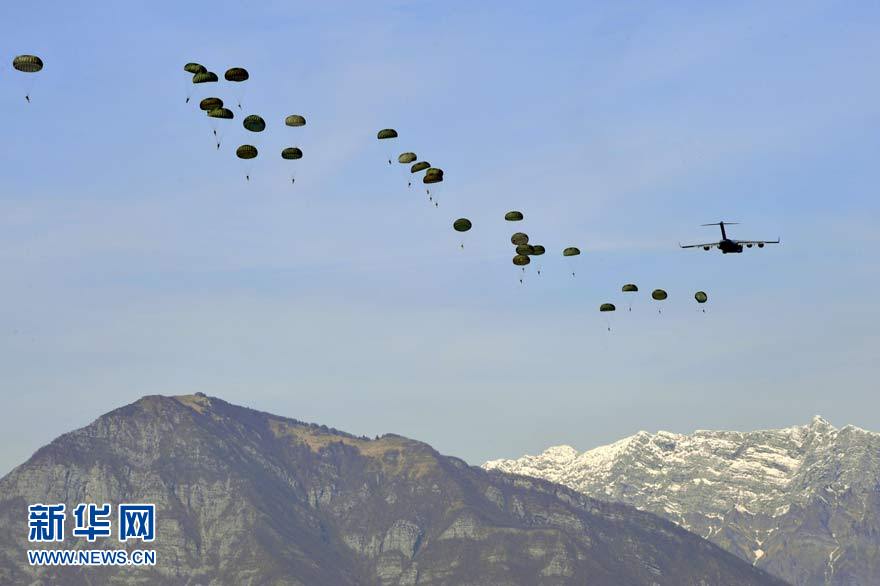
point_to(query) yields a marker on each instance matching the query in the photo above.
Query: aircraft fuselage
(729, 246)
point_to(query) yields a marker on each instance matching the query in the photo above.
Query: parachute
(386, 133)
(701, 298)
(462, 225)
(521, 260)
(254, 123)
(658, 294)
(246, 151)
(519, 238)
(570, 252)
(292, 154)
(406, 158)
(630, 288)
(205, 77)
(236, 74)
(513, 216)
(525, 249)
(538, 250)
(295, 120)
(219, 114)
(420, 166)
(209, 104)
(194, 68)
(605, 308)
(27, 63)
(433, 175)
(224, 113)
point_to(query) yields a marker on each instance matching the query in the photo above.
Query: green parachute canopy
(254, 123)
(209, 104)
(513, 216)
(291, 153)
(295, 120)
(521, 260)
(406, 158)
(236, 74)
(525, 249)
(433, 175)
(629, 288)
(386, 133)
(519, 238)
(461, 225)
(27, 63)
(224, 113)
(205, 77)
(571, 251)
(659, 294)
(420, 166)
(538, 250)
(701, 297)
(194, 68)
(607, 307)
(246, 151)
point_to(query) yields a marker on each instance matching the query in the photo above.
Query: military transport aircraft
(726, 244)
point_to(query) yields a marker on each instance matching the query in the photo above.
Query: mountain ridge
(248, 497)
(801, 501)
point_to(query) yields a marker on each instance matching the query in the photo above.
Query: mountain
(802, 503)
(248, 498)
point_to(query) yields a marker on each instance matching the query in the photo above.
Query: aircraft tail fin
(722, 224)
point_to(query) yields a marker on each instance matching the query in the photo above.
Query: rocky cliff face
(802, 502)
(245, 497)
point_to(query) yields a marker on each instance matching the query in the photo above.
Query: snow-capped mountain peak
(744, 490)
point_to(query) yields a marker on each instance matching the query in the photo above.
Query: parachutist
(187, 100)
(28, 98)
(293, 180)
(462, 246)
(409, 184)
(218, 146)
(436, 205)
(520, 281)
(215, 133)
(248, 177)
(389, 161)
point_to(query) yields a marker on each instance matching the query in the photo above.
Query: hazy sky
(137, 260)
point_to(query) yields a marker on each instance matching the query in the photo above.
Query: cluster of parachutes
(431, 175)
(29, 65)
(434, 175)
(216, 111)
(658, 295)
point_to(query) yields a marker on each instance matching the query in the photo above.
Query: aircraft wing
(757, 241)
(709, 244)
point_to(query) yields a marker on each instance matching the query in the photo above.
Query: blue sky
(137, 260)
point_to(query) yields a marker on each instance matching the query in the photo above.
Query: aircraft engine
(760, 245)
(706, 247)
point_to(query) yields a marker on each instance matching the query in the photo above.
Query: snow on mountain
(802, 502)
